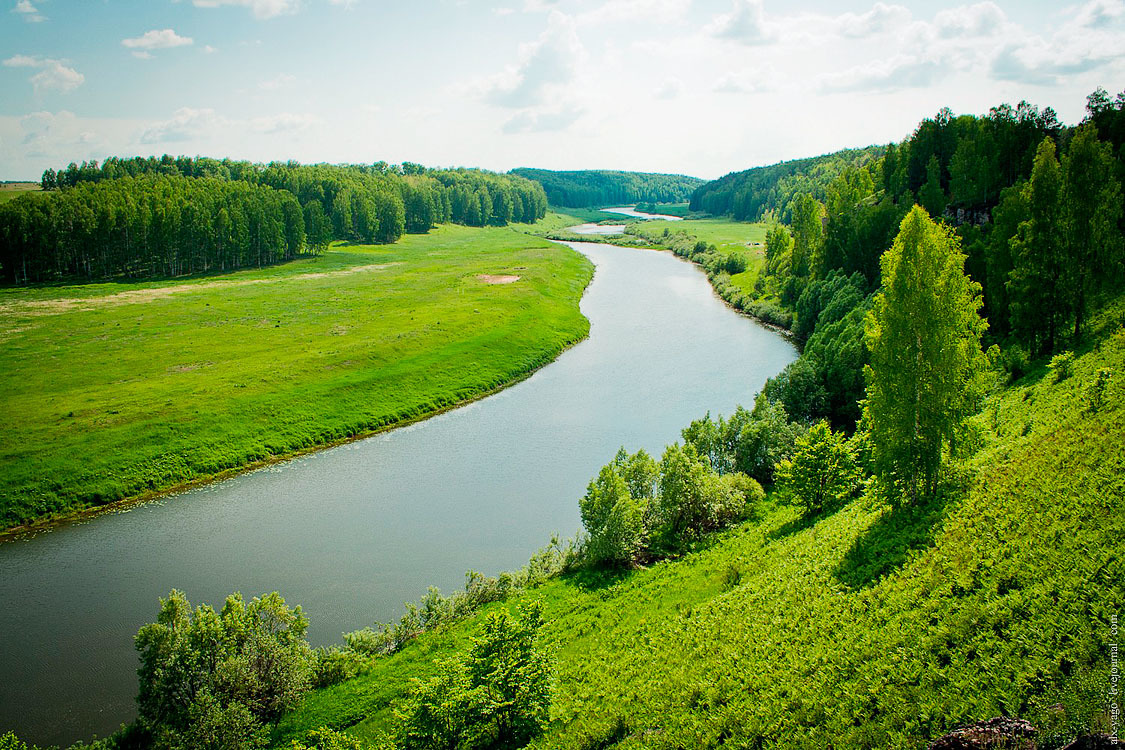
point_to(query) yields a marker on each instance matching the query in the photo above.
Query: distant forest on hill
(593, 188)
(168, 216)
(750, 194)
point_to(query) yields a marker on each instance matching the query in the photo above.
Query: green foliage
(211, 680)
(1092, 212)
(325, 738)
(924, 334)
(822, 472)
(1039, 263)
(870, 627)
(613, 519)
(1062, 365)
(9, 741)
(589, 188)
(749, 195)
(118, 390)
(498, 695)
(1099, 390)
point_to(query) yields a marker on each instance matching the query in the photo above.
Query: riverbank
(867, 626)
(125, 392)
(731, 254)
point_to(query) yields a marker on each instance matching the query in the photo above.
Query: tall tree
(1091, 201)
(924, 334)
(1039, 264)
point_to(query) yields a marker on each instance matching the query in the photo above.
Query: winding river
(352, 532)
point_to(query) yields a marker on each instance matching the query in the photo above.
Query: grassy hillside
(868, 627)
(115, 390)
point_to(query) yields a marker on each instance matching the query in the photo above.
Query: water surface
(352, 532)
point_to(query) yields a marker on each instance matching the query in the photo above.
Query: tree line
(166, 216)
(1035, 207)
(596, 188)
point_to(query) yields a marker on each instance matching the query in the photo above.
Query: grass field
(727, 235)
(868, 627)
(10, 190)
(116, 390)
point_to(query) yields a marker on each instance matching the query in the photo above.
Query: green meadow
(872, 626)
(727, 235)
(116, 390)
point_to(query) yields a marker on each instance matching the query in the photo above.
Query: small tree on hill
(924, 380)
(822, 472)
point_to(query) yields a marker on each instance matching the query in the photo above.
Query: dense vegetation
(946, 533)
(116, 390)
(751, 194)
(1041, 235)
(139, 218)
(590, 188)
(857, 622)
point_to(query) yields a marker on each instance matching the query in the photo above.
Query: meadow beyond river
(351, 532)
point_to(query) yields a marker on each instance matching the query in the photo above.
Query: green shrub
(1062, 365)
(822, 472)
(498, 695)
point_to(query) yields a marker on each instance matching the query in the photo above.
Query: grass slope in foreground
(867, 627)
(115, 390)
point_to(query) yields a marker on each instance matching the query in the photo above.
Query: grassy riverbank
(867, 627)
(113, 391)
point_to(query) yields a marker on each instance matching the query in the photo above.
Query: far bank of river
(352, 532)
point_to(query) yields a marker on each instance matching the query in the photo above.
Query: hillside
(867, 627)
(749, 194)
(590, 188)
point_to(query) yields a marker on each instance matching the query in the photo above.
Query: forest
(753, 194)
(599, 188)
(1035, 206)
(163, 217)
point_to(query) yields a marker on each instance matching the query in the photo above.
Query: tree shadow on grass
(595, 579)
(887, 544)
(796, 525)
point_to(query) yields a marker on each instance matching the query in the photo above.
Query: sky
(699, 87)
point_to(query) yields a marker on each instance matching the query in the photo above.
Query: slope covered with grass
(114, 390)
(871, 626)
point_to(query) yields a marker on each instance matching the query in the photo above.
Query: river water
(352, 532)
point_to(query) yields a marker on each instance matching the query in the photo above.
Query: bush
(497, 695)
(1062, 365)
(212, 679)
(822, 472)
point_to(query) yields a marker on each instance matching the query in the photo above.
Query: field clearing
(115, 390)
(867, 627)
(11, 190)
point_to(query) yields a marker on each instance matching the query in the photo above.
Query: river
(352, 532)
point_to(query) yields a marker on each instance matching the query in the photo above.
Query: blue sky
(695, 86)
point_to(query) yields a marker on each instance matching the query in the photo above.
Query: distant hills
(593, 188)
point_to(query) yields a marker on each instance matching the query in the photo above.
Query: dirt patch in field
(489, 278)
(135, 296)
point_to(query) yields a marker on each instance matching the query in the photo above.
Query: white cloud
(53, 74)
(745, 82)
(543, 65)
(156, 39)
(261, 9)
(285, 122)
(636, 11)
(28, 11)
(880, 19)
(1099, 13)
(746, 23)
(669, 89)
(279, 81)
(982, 19)
(542, 121)
(186, 124)
(891, 74)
